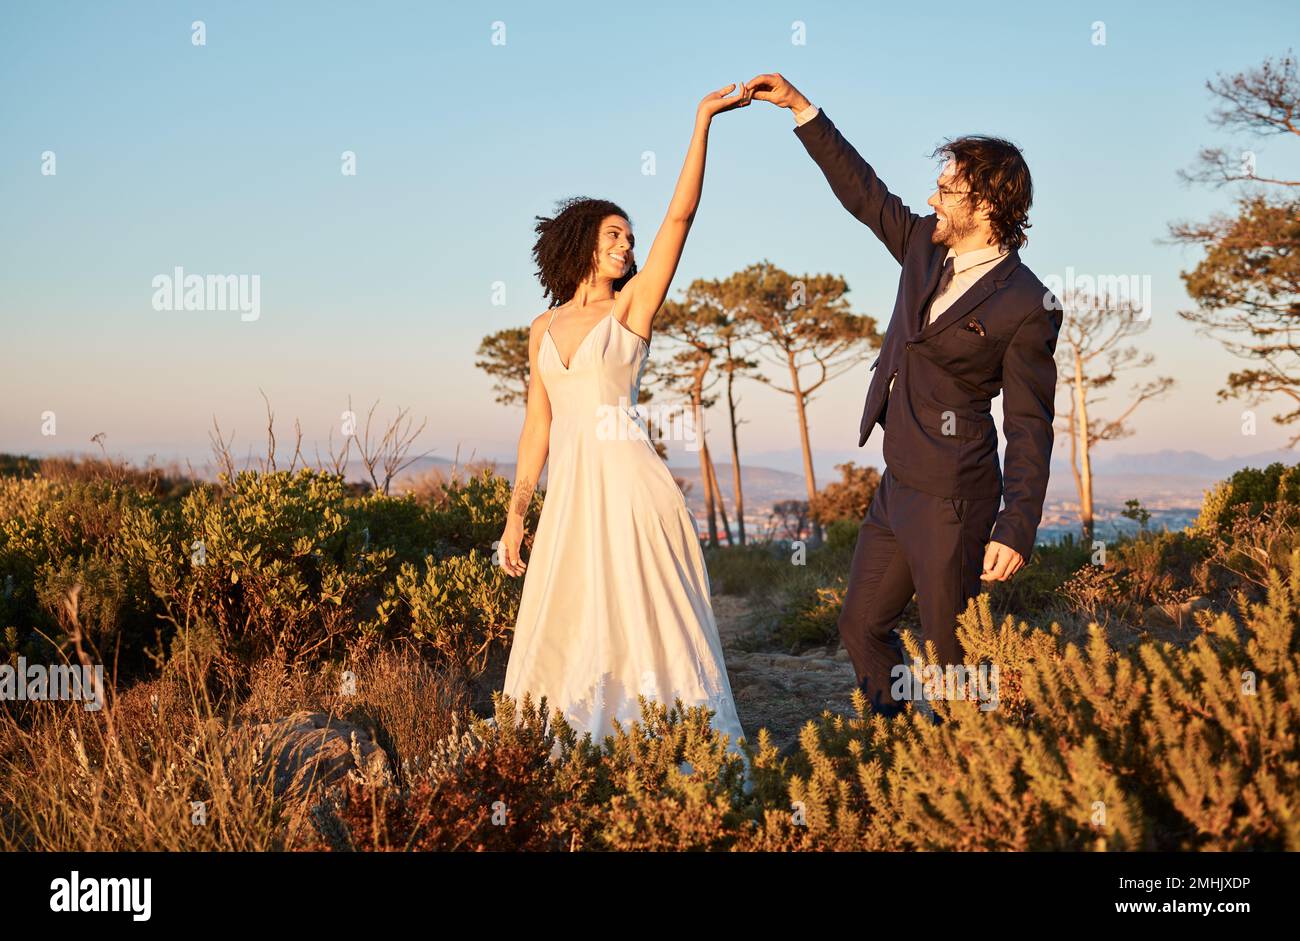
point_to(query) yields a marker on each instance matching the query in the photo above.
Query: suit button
(908, 346)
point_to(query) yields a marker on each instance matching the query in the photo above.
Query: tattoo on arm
(523, 496)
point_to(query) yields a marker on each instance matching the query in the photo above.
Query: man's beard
(956, 229)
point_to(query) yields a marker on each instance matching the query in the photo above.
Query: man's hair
(995, 172)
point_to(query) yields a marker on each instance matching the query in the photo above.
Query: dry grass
(125, 777)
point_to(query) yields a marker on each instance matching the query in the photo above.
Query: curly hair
(565, 249)
(996, 173)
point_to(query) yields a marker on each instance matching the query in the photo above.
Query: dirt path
(774, 689)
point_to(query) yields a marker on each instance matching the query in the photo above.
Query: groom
(970, 321)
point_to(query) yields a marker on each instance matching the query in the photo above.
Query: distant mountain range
(1185, 463)
(1179, 463)
(1171, 483)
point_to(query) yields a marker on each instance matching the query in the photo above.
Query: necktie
(945, 280)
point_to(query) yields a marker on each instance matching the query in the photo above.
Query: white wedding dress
(616, 595)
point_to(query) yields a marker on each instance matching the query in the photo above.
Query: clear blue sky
(225, 159)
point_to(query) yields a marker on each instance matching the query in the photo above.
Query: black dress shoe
(883, 705)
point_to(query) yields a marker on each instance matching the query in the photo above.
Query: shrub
(402, 524)
(1255, 542)
(1093, 746)
(741, 570)
(463, 608)
(1161, 565)
(846, 498)
(276, 565)
(842, 536)
(1098, 592)
(471, 513)
(812, 618)
(1088, 748)
(524, 781)
(57, 534)
(1250, 488)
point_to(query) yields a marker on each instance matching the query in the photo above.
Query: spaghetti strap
(552, 320)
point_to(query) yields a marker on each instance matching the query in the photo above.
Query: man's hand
(774, 88)
(1000, 562)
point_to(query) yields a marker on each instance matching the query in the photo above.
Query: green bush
(402, 524)
(811, 617)
(1092, 745)
(742, 570)
(464, 608)
(54, 534)
(842, 536)
(471, 514)
(277, 565)
(1249, 488)
(274, 564)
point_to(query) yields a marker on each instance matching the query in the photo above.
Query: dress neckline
(578, 349)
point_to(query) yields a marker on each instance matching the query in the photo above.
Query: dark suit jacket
(939, 433)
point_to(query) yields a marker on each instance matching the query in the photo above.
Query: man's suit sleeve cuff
(806, 115)
(1011, 535)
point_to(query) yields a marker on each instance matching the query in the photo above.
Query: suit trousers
(911, 542)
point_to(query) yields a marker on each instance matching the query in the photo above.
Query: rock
(310, 751)
(1175, 615)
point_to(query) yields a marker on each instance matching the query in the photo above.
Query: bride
(615, 599)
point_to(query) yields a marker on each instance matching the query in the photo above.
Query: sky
(226, 158)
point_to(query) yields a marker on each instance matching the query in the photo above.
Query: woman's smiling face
(614, 244)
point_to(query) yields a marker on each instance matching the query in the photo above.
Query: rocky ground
(775, 689)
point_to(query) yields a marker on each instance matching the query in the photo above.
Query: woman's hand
(508, 547)
(716, 102)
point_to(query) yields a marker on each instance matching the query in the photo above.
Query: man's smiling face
(951, 203)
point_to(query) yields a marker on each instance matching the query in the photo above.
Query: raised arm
(534, 446)
(646, 291)
(852, 180)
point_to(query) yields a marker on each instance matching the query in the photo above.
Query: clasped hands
(770, 87)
